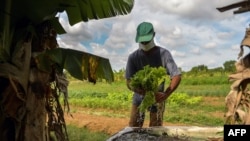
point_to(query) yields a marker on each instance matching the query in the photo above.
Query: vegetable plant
(149, 80)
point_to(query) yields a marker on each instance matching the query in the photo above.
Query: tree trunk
(22, 99)
(29, 99)
(35, 125)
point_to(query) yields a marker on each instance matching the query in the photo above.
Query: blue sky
(192, 30)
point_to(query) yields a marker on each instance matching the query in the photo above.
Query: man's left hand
(160, 97)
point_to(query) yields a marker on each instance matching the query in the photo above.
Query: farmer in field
(150, 54)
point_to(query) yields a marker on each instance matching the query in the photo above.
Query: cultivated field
(104, 107)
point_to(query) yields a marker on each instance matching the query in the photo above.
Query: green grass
(98, 88)
(196, 115)
(220, 90)
(83, 134)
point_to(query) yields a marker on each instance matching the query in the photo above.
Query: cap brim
(144, 38)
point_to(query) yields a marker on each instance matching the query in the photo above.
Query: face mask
(148, 46)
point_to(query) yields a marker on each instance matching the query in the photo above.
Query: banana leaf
(21, 12)
(81, 65)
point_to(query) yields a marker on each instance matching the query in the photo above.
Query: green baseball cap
(145, 32)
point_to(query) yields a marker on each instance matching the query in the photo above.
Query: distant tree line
(228, 67)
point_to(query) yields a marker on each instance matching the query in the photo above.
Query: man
(150, 54)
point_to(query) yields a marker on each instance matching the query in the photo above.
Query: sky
(194, 31)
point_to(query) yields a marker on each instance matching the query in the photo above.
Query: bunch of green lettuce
(148, 79)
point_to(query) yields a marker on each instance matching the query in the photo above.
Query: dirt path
(98, 120)
(100, 123)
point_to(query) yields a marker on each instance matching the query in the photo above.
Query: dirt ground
(83, 117)
(109, 125)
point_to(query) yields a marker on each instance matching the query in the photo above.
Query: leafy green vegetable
(148, 79)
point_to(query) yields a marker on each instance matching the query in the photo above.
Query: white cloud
(177, 53)
(195, 51)
(210, 45)
(69, 44)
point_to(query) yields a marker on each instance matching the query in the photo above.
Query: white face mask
(148, 46)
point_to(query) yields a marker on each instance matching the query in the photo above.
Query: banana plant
(32, 64)
(238, 99)
(20, 18)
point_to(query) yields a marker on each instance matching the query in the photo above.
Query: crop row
(122, 101)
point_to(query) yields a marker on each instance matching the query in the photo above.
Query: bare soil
(95, 121)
